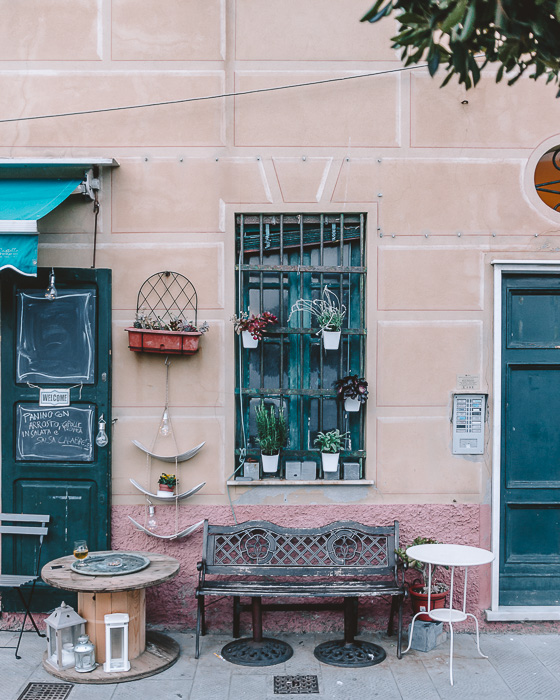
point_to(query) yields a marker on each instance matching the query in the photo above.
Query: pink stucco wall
(172, 604)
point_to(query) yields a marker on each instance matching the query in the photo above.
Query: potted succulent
(272, 435)
(329, 313)
(166, 485)
(251, 328)
(419, 589)
(330, 444)
(352, 390)
(170, 336)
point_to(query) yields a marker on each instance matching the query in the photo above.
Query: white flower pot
(248, 340)
(330, 461)
(351, 405)
(331, 340)
(270, 463)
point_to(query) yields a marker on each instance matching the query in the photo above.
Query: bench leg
(391, 616)
(256, 614)
(236, 614)
(200, 627)
(399, 630)
(350, 619)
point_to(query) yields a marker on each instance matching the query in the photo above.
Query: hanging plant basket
(163, 342)
(166, 316)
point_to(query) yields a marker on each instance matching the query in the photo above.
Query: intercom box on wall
(469, 418)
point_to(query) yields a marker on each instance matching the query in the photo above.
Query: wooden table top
(162, 568)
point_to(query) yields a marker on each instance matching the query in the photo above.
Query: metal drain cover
(296, 685)
(46, 691)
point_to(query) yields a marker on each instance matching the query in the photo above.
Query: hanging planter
(351, 389)
(163, 342)
(251, 328)
(165, 301)
(248, 340)
(331, 340)
(351, 405)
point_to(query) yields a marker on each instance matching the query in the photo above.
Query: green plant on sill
(437, 586)
(167, 480)
(331, 441)
(272, 430)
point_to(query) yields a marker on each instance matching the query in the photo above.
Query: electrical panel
(469, 418)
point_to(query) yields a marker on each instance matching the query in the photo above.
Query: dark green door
(530, 460)
(50, 461)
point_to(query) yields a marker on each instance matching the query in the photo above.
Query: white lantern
(116, 643)
(84, 651)
(64, 627)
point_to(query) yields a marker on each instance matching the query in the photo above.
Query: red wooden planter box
(163, 342)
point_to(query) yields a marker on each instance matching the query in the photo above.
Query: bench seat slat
(317, 589)
(15, 580)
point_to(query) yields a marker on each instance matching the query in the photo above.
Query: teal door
(530, 458)
(50, 460)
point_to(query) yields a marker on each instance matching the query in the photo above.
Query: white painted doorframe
(498, 613)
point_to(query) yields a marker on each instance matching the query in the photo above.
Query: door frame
(503, 613)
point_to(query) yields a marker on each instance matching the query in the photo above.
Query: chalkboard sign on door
(55, 340)
(54, 434)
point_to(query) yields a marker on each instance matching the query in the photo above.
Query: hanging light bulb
(51, 292)
(165, 427)
(152, 522)
(101, 438)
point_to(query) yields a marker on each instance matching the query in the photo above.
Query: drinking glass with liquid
(80, 551)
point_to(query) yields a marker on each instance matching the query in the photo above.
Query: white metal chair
(28, 525)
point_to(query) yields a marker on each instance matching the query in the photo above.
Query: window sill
(300, 482)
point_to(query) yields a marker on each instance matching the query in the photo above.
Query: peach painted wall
(441, 175)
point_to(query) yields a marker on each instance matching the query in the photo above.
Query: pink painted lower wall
(173, 604)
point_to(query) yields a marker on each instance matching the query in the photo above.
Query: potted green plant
(352, 390)
(329, 313)
(251, 328)
(166, 485)
(330, 444)
(272, 435)
(419, 589)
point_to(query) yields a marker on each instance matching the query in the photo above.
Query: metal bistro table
(98, 595)
(449, 555)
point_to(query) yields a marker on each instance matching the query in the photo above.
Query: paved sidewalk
(519, 666)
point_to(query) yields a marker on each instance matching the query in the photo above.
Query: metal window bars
(282, 258)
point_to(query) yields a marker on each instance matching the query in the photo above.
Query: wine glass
(80, 551)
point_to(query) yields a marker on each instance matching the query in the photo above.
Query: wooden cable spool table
(149, 652)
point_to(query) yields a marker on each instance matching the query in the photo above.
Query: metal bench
(259, 559)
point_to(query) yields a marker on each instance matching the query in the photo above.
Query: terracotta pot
(163, 342)
(165, 490)
(420, 602)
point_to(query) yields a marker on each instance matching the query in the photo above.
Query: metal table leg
(258, 651)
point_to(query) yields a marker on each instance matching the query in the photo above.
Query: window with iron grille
(281, 259)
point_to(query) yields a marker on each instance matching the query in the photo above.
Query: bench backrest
(263, 548)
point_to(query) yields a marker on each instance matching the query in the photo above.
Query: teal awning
(22, 203)
(29, 200)
(18, 251)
